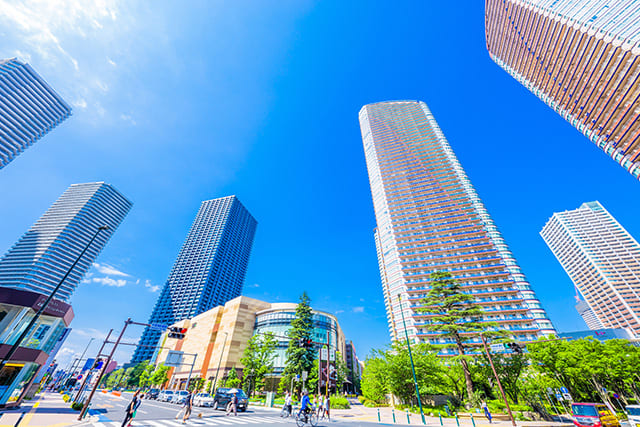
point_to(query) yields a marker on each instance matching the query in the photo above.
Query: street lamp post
(35, 318)
(215, 381)
(413, 369)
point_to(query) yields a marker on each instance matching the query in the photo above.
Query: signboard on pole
(496, 348)
(174, 358)
(305, 375)
(158, 327)
(567, 397)
(564, 390)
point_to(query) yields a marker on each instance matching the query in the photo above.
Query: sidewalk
(47, 409)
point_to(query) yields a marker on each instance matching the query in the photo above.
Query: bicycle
(309, 417)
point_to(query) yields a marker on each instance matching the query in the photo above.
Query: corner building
(581, 59)
(603, 261)
(429, 218)
(209, 270)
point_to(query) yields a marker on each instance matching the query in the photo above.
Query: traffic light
(177, 332)
(305, 342)
(98, 364)
(515, 347)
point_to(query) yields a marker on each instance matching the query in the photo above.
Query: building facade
(354, 374)
(429, 218)
(603, 334)
(603, 261)
(209, 270)
(17, 308)
(588, 315)
(44, 254)
(219, 337)
(581, 59)
(30, 108)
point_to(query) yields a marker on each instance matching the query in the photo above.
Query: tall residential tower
(429, 218)
(44, 254)
(603, 261)
(581, 59)
(30, 108)
(209, 271)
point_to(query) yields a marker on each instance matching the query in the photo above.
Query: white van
(633, 412)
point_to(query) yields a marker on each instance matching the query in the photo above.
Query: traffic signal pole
(504, 397)
(104, 368)
(86, 377)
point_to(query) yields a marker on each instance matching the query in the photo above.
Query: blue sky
(179, 103)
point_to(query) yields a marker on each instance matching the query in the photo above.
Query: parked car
(165, 395)
(203, 399)
(633, 412)
(593, 415)
(223, 397)
(152, 393)
(179, 396)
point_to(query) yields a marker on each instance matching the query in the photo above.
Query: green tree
(145, 376)
(232, 378)
(133, 378)
(160, 375)
(258, 361)
(374, 378)
(342, 372)
(299, 359)
(453, 313)
(509, 369)
(195, 385)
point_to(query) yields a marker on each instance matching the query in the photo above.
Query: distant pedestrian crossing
(205, 421)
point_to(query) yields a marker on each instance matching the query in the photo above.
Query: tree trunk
(465, 367)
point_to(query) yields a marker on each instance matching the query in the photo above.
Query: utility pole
(413, 369)
(215, 381)
(504, 397)
(86, 377)
(104, 368)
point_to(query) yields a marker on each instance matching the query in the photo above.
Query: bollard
(378, 414)
(440, 415)
(393, 412)
(473, 421)
(457, 421)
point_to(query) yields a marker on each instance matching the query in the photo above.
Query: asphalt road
(109, 411)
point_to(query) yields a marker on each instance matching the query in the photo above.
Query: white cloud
(358, 309)
(80, 103)
(339, 311)
(112, 62)
(255, 285)
(128, 118)
(108, 281)
(109, 270)
(152, 288)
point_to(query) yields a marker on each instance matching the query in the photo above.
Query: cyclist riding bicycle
(304, 404)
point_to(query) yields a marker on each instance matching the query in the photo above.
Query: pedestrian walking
(233, 404)
(486, 411)
(287, 403)
(327, 407)
(320, 406)
(132, 407)
(188, 405)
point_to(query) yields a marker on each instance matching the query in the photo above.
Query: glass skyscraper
(209, 271)
(603, 261)
(44, 254)
(429, 218)
(581, 58)
(29, 108)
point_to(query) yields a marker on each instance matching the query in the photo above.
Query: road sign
(305, 375)
(323, 353)
(549, 390)
(567, 397)
(564, 390)
(158, 327)
(497, 348)
(559, 396)
(174, 359)
(616, 395)
(332, 355)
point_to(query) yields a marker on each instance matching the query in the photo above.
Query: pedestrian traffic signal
(177, 333)
(515, 347)
(305, 343)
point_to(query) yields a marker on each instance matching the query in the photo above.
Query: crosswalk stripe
(234, 421)
(265, 419)
(154, 423)
(251, 420)
(217, 421)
